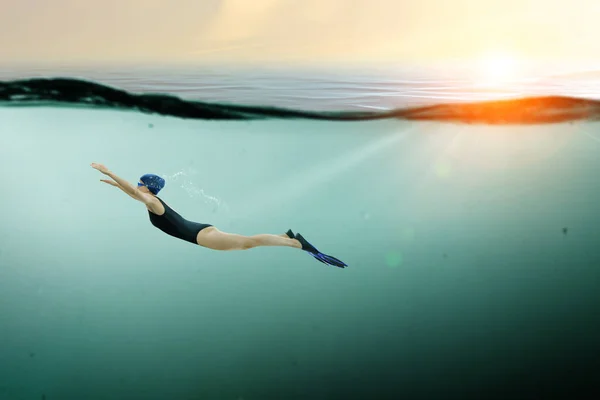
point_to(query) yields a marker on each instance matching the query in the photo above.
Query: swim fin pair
(312, 250)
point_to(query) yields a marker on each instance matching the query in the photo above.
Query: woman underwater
(167, 220)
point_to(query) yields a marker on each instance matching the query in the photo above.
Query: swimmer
(170, 222)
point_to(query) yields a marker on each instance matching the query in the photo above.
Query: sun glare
(497, 68)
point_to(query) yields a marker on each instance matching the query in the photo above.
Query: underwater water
(471, 239)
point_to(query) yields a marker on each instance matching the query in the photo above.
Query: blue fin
(324, 258)
(333, 261)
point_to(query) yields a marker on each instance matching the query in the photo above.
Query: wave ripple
(76, 92)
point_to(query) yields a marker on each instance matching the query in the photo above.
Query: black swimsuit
(174, 224)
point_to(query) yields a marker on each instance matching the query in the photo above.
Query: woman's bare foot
(296, 241)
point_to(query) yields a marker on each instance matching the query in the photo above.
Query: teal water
(472, 250)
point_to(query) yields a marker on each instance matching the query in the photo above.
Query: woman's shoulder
(156, 205)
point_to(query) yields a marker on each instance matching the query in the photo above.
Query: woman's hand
(100, 168)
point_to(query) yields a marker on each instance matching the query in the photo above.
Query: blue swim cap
(154, 183)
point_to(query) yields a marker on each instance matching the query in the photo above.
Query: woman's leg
(213, 238)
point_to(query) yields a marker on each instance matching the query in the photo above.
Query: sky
(296, 31)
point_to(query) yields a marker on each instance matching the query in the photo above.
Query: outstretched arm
(150, 201)
(115, 184)
(123, 184)
(119, 182)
